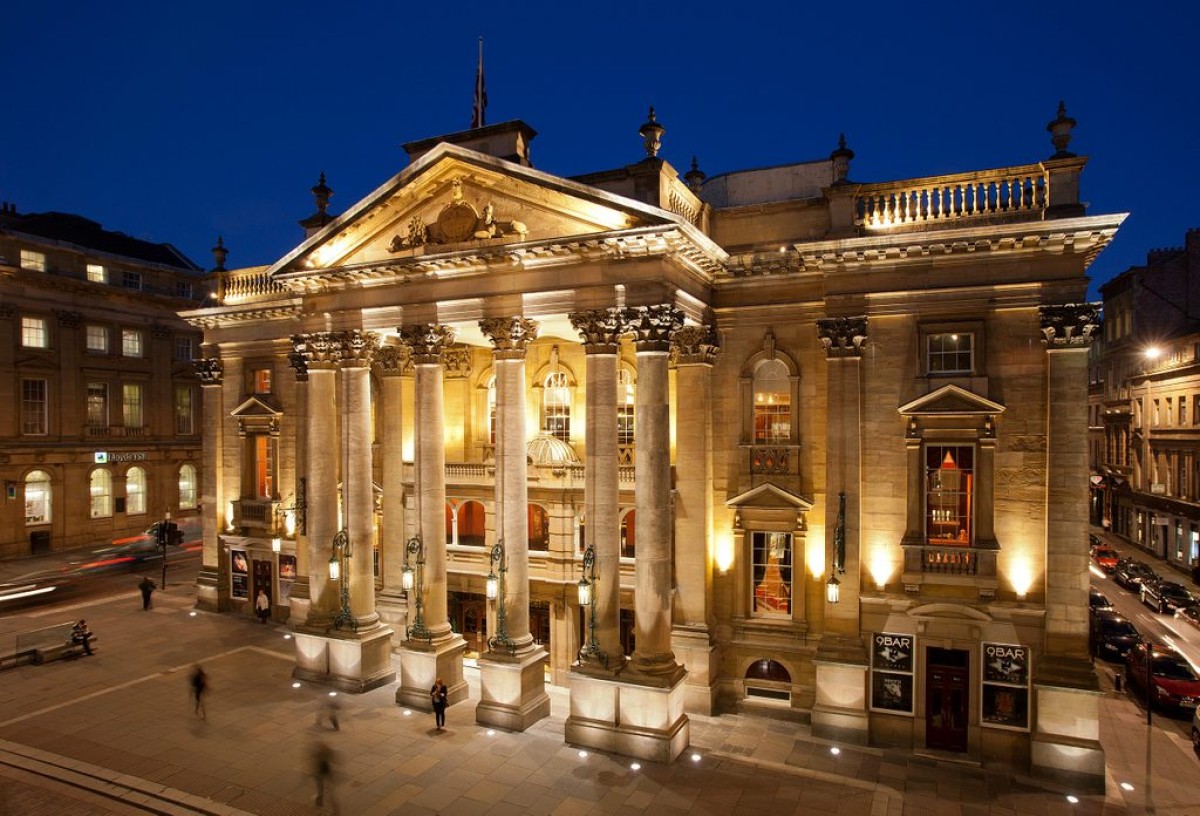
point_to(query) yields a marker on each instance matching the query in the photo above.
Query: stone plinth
(512, 690)
(695, 651)
(840, 710)
(1066, 743)
(645, 721)
(421, 664)
(350, 661)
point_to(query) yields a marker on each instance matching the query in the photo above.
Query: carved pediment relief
(458, 220)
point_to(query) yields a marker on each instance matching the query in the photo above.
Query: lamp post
(412, 578)
(339, 570)
(1149, 355)
(587, 592)
(496, 592)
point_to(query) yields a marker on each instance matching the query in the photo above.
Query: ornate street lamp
(412, 578)
(339, 570)
(587, 591)
(495, 592)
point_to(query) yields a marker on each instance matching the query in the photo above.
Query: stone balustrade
(1020, 190)
(248, 284)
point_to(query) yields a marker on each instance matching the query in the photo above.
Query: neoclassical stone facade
(773, 442)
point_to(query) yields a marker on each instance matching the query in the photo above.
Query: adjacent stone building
(101, 432)
(1144, 406)
(774, 441)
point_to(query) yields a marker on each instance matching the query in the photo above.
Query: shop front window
(101, 493)
(37, 497)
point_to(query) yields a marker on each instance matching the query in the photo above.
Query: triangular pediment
(769, 496)
(256, 407)
(951, 400)
(455, 200)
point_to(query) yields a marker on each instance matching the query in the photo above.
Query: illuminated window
(37, 497)
(97, 338)
(97, 273)
(949, 494)
(131, 405)
(264, 466)
(187, 487)
(184, 410)
(556, 406)
(101, 493)
(951, 353)
(262, 381)
(539, 529)
(34, 408)
(626, 394)
(97, 405)
(33, 261)
(131, 343)
(33, 332)
(772, 404)
(135, 491)
(628, 535)
(472, 524)
(772, 574)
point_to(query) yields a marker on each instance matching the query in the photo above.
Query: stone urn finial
(220, 253)
(841, 160)
(322, 194)
(1060, 133)
(695, 177)
(652, 133)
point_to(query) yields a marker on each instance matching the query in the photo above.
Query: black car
(1111, 636)
(1130, 573)
(1189, 614)
(1165, 596)
(1097, 600)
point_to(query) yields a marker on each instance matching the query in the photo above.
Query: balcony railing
(960, 561)
(256, 514)
(774, 460)
(963, 196)
(116, 432)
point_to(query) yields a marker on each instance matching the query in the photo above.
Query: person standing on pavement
(199, 681)
(262, 606)
(147, 587)
(437, 695)
(81, 635)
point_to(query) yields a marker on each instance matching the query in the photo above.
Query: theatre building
(773, 441)
(100, 431)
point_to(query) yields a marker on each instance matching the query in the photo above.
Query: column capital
(208, 370)
(601, 330)
(1070, 325)
(510, 336)
(356, 348)
(842, 336)
(652, 326)
(427, 342)
(317, 350)
(393, 361)
(696, 345)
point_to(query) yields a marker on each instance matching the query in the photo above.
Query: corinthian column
(212, 591)
(358, 498)
(432, 649)
(652, 327)
(601, 332)
(391, 362)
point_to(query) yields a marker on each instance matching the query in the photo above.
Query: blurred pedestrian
(262, 606)
(437, 695)
(329, 713)
(81, 635)
(321, 758)
(199, 681)
(147, 587)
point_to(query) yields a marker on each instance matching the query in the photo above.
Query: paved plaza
(115, 734)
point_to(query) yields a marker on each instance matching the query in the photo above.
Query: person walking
(329, 713)
(321, 758)
(147, 587)
(82, 635)
(437, 695)
(199, 681)
(262, 606)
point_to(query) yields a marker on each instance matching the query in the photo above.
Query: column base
(421, 664)
(695, 650)
(512, 690)
(840, 710)
(628, 717)
(1066, 745)
(212, 594)
(350, 661)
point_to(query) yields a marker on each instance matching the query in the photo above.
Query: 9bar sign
(892, 672)
(1005, 663)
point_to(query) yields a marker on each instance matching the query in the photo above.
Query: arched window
(101, 493)
(37, 497)
(187, 487)
(135, 491)
(767, 669)
(772, 404)
(539, 529)
(628, 534)
(472, 524)
(626, 392)
(556, 406)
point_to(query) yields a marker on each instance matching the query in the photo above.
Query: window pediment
(951, 400)
(257, 415)
(769, 497)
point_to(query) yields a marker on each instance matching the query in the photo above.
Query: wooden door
(946, 707)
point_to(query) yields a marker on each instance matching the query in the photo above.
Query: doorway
(947, 682)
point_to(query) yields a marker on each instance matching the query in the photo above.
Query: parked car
(1174, 681)
(1111, 636)
(1097, 600)
(1106, 558)
(1094, 540)
(1196, 731)
(1165, 596)
(1189, 614)
(1131, 573)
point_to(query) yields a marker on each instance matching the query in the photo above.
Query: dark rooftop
(87, 234)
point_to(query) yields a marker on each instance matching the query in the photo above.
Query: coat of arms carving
(458, 221)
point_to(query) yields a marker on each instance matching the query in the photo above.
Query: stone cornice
(212, 318)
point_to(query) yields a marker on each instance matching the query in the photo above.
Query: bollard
(1116, 681)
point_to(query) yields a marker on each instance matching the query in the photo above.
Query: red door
(946, 708)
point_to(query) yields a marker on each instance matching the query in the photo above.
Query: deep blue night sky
(179, 122)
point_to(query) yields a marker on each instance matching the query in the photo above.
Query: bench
(49, 643)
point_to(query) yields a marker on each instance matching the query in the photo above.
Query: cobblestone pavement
(115, 734)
